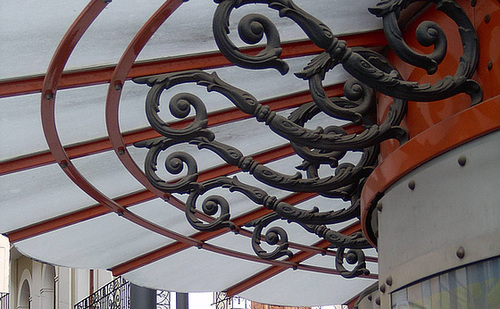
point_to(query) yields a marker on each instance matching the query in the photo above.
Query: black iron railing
(4, 300)
(116, 295)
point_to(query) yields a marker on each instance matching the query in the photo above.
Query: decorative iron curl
(354, 257)
(211, 206)
(336, 51)
(428, 33)
(317, 147)
(253, 26)
(179, 107)
(174, 164)
(274, 236)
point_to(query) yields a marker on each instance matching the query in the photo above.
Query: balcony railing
(4, 300)
(116, 295)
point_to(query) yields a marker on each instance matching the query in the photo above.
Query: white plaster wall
(4, 264)
(102, 277)
(62, 288)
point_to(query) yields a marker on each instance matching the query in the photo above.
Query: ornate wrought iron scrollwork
(319, 147)
(336, 51)
(274, 236)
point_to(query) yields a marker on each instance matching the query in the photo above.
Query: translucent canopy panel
(21, 118)
(37, 193)
(178, 272)
(299, 286)
(102, 243)
(34, 29)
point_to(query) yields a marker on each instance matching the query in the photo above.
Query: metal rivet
(49, 95)
(490, 65)
(200, 245)
(370, 297)
(120, 213)
(377, 301)
(487, 18)
(64, 164)
(462, 160)
(121, 151)
(389, 281)
(323, 252)
(382, 288)
(473, 3)
(294, 267)
(461, 252)
(380, 206)
(118, 85)
(411, 185)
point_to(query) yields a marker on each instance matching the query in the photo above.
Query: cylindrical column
(142, 298)
(182, 300)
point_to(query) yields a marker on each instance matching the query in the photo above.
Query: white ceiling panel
(21, 126)
(301, 288)
(38, 194)
(101, 242)
(194, 270)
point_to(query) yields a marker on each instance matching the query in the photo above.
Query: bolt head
(380, 207)
(389, 281)
(118, 85)
(462, 160)
(412, 184)
(461, 252)
(382, 288)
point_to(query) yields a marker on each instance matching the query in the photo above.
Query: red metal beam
(296, 259)
(102, 74)
(352, 302)
(134, 199)
(202, 236)
(49, 89)
(103, 144)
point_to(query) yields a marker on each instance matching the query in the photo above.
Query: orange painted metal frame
(135, 198)
(50, 87)
(102, 75)
(457, 130)
(216, 118)
(202, 236)
(296, 259)
(121, 73)
(48, 122)
(426, 118)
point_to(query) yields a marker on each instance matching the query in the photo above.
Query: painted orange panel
(487, 17)
(437, 127)
(422, 115)
(459, 129)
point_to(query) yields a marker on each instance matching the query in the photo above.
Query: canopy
(73, 189)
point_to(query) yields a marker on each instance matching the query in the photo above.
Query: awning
(73, 189)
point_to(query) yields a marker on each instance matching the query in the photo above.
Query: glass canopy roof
(54, 218)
